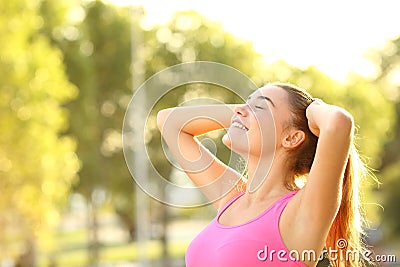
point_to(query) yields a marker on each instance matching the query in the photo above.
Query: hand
(311, 109)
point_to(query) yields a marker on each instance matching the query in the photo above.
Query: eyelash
(256, 106)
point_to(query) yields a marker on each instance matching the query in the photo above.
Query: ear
(293, 139)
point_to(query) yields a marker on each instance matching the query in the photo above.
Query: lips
(238, 123)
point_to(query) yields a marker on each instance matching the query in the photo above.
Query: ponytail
(345, 234)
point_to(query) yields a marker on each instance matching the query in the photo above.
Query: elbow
(162, 116)
(342, 122)
(346, 121)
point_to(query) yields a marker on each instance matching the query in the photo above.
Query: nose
(241, 110)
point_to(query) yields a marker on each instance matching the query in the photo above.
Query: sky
(335, 36)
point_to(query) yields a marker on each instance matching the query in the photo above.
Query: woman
(284, 135)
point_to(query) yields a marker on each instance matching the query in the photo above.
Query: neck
(266, 176)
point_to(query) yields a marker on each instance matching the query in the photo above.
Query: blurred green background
(68, 69)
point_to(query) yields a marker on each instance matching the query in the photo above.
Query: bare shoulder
(296, 232)
(289, 215)
(300, 231)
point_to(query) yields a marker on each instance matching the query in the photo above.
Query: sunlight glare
(333, 36)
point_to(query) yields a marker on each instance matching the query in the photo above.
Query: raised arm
(321, 197)
(179, 126)
(334, 126)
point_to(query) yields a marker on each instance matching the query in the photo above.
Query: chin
(227, 141)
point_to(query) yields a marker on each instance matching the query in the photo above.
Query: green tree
(38, 164)
(96, 48)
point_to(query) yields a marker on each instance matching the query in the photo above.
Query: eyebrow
(263, 97)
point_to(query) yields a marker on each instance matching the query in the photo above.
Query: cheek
(263, 133)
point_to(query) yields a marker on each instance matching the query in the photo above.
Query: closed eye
(256, 106)
(263, 97)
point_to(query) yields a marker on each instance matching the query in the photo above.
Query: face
(259, 123)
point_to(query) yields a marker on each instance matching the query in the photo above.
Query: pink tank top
(255, 243)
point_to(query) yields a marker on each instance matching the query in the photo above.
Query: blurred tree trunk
(166, 261)
(28, 257)
(93, 238)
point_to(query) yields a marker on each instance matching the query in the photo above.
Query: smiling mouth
(239, 125)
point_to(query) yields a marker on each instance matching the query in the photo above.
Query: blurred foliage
(49, 45)
(99, 62)
(387, 62)
(37, 162)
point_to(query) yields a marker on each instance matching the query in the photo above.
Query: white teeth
(239, 125)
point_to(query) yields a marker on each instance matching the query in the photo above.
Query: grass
(73, 250)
